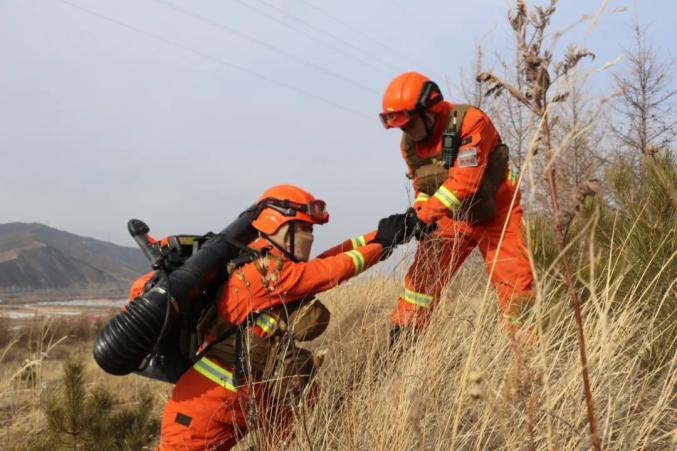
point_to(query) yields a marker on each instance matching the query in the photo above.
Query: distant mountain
(37, 259)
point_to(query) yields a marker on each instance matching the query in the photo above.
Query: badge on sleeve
(467, 157)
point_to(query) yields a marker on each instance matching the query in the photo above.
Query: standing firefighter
(255, 377)
(463, 184)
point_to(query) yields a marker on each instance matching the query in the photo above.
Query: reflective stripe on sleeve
(512, 177)
(358, 260)
(215, 373)
(420, 299)
(266, 322)
(421, 197)
(358, 241)
(447, 198)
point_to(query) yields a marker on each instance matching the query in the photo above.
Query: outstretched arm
(301, 279)
(348, 245)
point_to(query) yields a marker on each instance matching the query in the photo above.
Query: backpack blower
(154, 335)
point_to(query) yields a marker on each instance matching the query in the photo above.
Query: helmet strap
(279, 247)
(291, 231)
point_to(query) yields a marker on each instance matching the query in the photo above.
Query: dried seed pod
(475, 391)
(318, 357)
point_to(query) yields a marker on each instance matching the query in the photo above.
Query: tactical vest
(429, 173)
(275, 359)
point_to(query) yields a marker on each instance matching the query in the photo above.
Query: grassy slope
(370, 400)
(412, 403)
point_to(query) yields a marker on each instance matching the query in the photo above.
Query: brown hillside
(35, 257)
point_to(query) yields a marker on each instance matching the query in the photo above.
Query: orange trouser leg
(202, 415)
(511, 274)
(437, 259)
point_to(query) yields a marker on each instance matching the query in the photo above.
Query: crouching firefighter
(254, 377)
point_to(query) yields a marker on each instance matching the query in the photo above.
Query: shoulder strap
(247, 255)
(413, 161)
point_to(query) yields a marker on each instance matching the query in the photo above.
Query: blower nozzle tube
(123, 344)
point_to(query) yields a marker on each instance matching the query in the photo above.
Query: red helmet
(408, 93)
(284, 203)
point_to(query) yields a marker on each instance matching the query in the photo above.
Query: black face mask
(428, 127)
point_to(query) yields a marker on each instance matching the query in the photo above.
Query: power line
(320, 30)
(309, 35)
(214, 59)
(357, 30)
(267, 45)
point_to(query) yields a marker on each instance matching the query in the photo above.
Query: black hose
(123, 344)
(189, 280)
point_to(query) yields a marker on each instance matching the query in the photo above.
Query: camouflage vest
(429, 173)
(275, 359)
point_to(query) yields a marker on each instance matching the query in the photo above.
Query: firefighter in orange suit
(213, 404)
(463, 184)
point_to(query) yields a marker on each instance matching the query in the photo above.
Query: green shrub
(82, 420)
(638, 232)
(632, 231)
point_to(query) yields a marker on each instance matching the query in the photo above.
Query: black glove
(390, 233)
(415, 227)
(399, 229)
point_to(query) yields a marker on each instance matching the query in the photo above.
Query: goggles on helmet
(396, 119)
(315, 209)
(428, 96)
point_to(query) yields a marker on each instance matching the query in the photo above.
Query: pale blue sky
(181, 117)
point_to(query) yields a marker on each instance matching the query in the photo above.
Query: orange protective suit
(139, 285)
(207, 410)
(439, 256)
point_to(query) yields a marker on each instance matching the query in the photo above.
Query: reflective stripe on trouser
(435, 261)
(438, 259)
(518, 310)
(420, 299)
(358, 260)
(215, 373)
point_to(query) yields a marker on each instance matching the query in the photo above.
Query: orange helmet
(407, 94)
(283, 203)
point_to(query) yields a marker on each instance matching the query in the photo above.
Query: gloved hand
(398, 229)
(390, 233)
(425, 212)
(415, 227)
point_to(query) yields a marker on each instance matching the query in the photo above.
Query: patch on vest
(467, 157)
(182, 419)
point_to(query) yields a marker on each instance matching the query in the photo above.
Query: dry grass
(31, 366)
(371, 399)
